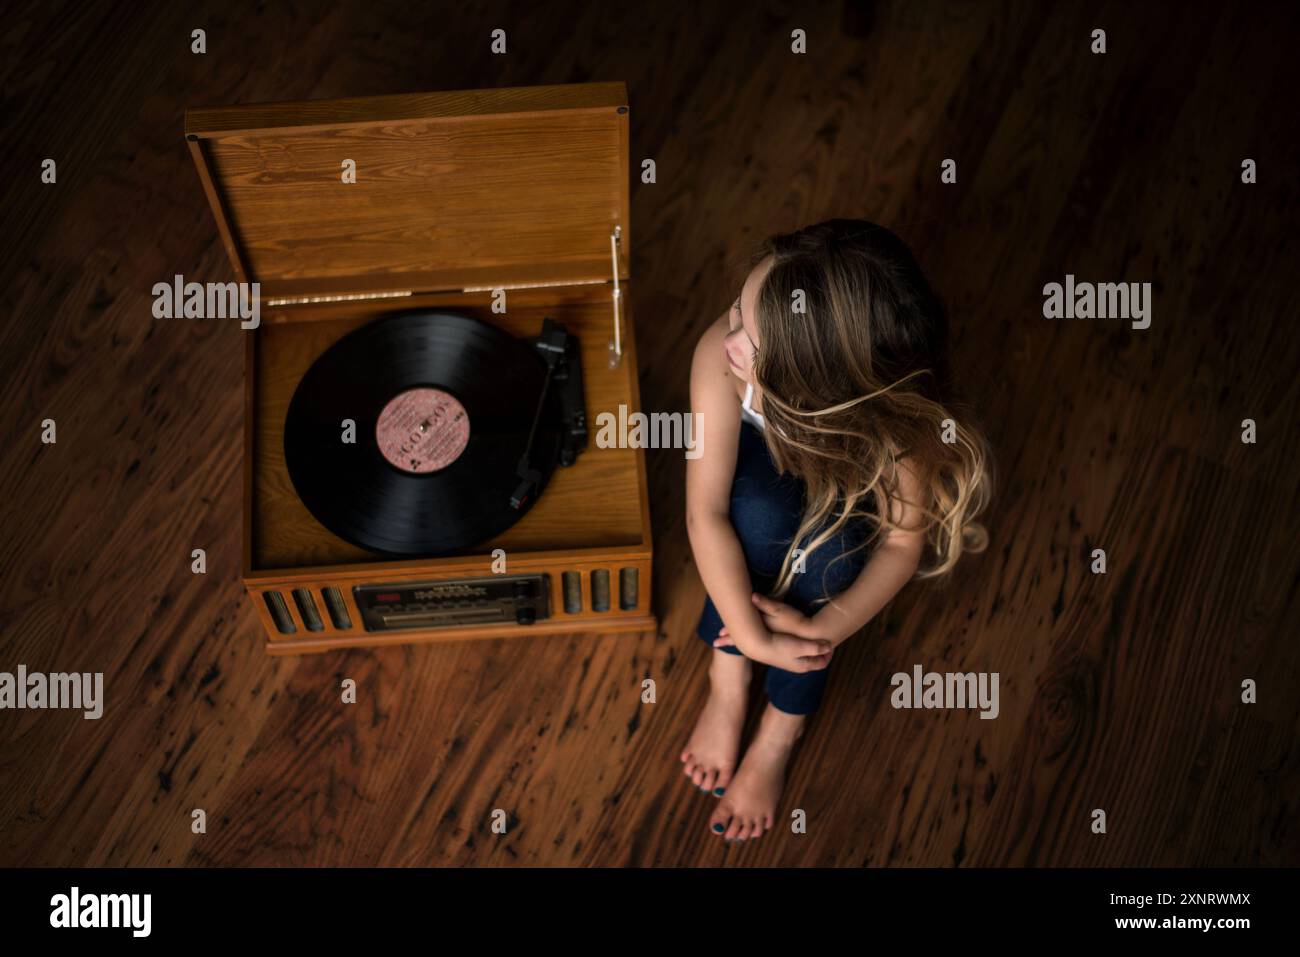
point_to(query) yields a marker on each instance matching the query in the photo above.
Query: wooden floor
(1119, 692)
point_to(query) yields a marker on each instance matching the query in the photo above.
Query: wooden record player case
(456, 195)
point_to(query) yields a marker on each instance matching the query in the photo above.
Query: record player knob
(525, 615)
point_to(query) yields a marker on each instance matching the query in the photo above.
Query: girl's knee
(823, 579)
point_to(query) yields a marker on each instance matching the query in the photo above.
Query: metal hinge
(616, 344)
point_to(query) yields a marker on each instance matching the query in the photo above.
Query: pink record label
(422, 430)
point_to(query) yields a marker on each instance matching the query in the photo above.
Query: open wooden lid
(477, 188)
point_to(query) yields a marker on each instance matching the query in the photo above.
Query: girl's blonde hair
(853, 371)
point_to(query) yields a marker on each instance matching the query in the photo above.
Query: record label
(422, 430)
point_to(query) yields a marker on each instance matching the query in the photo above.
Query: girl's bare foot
(710, 755)
(749, 807)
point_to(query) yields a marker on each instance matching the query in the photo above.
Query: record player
(503, 208)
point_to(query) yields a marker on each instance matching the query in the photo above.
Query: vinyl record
(443, 406)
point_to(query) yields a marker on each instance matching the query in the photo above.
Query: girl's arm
(885, 573)
(718, 553)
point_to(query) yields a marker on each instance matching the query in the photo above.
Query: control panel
(521, 599)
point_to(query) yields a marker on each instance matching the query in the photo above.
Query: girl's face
(741, 343)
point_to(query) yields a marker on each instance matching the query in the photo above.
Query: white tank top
(747, 410)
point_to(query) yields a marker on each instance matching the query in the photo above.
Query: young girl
(830, 460)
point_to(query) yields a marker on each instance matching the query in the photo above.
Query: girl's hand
(784, 651)
(778, 616)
